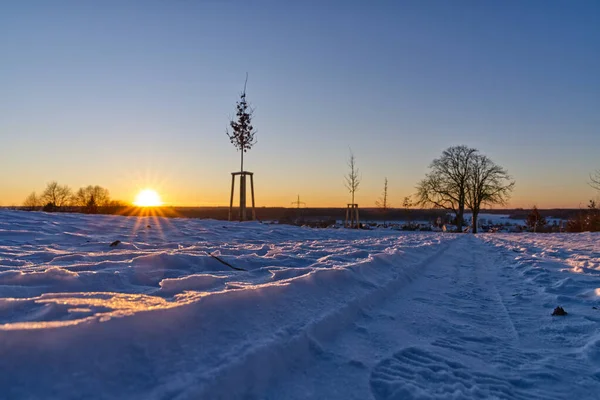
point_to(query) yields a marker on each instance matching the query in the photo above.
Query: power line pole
(298, 202)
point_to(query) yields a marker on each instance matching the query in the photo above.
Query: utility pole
(298, 202)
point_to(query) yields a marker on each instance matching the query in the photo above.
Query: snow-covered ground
(494, 218)
(317, 313)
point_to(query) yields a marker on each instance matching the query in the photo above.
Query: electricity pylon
(298, 202)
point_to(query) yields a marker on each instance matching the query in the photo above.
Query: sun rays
(148, 198)
(151, 213)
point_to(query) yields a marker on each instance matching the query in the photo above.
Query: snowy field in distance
(319, 313)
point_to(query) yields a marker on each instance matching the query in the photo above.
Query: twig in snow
(225, 262)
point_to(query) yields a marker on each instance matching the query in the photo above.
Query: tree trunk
(242, 163)
(242, 197)
(475, 215)
(459, 220)
(242, 189)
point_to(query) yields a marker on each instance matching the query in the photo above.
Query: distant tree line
(585, 220)
(588, 219)
(582, 220)
(55, 198)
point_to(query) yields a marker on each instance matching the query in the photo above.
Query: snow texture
(339, 314)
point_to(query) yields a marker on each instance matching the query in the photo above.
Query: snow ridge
(157, 317)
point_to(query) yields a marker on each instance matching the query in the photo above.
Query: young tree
(585, 220)
(32, 202)
(56, 195)
(446, 184)
(383, 200)
(242, 134)
(593, 217)
(487, 183)
(407, 203)
(535, 220)
(353, 178)
(91, 207)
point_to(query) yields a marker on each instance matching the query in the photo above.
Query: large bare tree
(352, 178)
(56, 195)
(487, 183)
(445, 184)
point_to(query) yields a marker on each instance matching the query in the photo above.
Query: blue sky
(131, 94)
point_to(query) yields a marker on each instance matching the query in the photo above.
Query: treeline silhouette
(96, 200)
(61, 198)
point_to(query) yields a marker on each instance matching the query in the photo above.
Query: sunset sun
(147, 198)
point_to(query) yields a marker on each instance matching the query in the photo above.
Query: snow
(495, 219)
(318, 313)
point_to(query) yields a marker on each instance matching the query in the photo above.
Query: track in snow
(450, 334)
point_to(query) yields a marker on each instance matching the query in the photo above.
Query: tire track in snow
(251, 374)
(563, 344)
(314, 378)
(492, 260)
(450, 334)
(481, 355)
(472, 357)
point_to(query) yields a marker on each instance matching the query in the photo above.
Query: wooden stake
(252, 190)
(231, 198)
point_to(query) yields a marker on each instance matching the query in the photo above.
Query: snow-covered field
(317, 313)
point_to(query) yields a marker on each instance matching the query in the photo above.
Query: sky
(136, 94)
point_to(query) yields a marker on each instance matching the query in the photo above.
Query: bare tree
(56, 195)
(32, 202)
(487, 183)
(445, 185)
(353, 178)
(101, 195)
(91, 194)
(383, 200)
(595, 180)
(242, 135)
